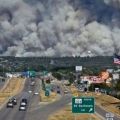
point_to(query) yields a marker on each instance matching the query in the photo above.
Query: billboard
(96, 79)
(92, 79)
(78, 68)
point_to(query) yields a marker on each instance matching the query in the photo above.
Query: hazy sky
(59, 27)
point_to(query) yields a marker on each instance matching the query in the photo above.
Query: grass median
(51, 98)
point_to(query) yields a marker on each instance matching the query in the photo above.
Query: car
(30, 91)
(58, 91)
(14, 101)
(24, 100)
(81, 89)
(23, 103)
(36, 93)
(32, 83)
(10, 104)
(65, 91)
(22, 107)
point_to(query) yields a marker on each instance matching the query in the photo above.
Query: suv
(24, 100)
(14, 101)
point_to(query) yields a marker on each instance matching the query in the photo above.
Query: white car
(30, 91)
(10, 104)
(65, 91)
(32, 83)
(36, 93)
(22, 108)
(23, 104)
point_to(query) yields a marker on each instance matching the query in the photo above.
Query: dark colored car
(24, 100)
(14, 101)
(58, 87)
(10, 104)
(58, 91)
(52, 90)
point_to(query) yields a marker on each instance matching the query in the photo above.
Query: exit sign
(83, 105)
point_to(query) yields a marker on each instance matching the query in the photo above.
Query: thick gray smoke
(59, 27)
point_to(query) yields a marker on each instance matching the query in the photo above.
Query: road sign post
(47, 93)
(83, 105)
(48, 87)
(78, 70)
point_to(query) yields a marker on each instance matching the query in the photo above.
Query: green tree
(98, 85)
(57, 75)
(71, 78)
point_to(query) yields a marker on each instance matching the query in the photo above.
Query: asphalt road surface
(2, 83)
(34, 110)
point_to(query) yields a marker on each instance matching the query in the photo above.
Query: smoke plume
(59, 27)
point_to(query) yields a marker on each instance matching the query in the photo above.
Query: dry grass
(51, 98)
(66, 114)
(74, 91)
(109, 103)
(2, 99)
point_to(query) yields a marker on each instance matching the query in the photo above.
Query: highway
(14, 113)
(2, 83)
(36, 111)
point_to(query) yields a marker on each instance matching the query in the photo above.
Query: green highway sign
(83, 105)
(46, 72)
(31, 73)
(47, 93)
